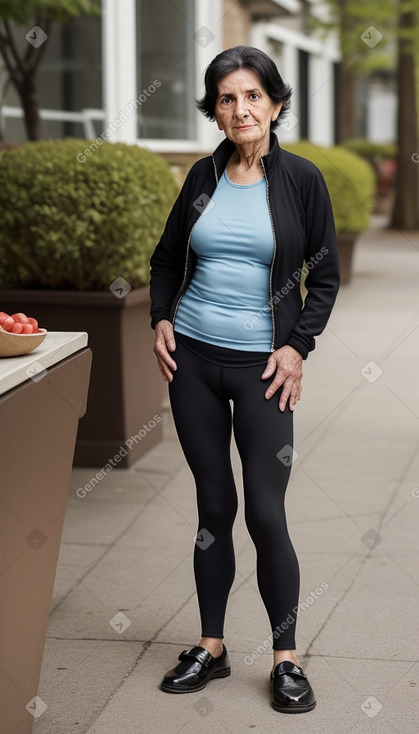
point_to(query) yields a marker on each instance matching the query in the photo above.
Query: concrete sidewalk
(353, 510)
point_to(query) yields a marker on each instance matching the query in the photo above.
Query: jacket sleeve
(167, 262)
(322, 266)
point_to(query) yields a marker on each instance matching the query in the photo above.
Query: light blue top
(227, 301)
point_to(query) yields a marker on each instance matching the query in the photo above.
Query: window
(166, 53)
(69, 78)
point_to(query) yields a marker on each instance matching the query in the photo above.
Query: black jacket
(304, 231)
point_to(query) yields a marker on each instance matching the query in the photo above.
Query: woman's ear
(277, 111)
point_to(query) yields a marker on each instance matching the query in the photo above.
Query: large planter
(123, 418)
(346, 245)
(40, 411)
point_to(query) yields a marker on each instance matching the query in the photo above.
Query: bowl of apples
(19, 334)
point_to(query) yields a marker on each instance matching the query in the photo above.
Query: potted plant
(79, 223)
(383, 159)
(351, 184)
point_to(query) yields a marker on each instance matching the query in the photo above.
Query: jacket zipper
(273, 258)
(187, 251)
(184, 275)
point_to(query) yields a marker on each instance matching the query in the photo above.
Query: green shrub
(68, 224)
(350, 180)
(371, 151)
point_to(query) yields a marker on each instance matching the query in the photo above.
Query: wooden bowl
(13, 345)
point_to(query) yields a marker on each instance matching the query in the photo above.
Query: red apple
(3, 317)
(17, 327)
(33, 322)
(20, 318)
(8, 324)
(27, 329)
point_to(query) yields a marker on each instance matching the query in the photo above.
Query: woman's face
(244, 110)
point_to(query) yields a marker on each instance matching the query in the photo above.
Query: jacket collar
(225, 149)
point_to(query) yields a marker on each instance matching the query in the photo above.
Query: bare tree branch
(47, 23)
(14, 74)
(22, 67)
(13, 47)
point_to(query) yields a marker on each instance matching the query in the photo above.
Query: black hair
(244, 57)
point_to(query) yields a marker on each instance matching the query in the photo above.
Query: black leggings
(199, 396)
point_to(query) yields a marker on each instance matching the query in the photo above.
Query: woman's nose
(240, 109)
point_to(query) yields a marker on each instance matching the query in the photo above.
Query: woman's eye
(253, 95)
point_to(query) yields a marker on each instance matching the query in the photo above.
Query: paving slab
(74, 562)
(79, 679)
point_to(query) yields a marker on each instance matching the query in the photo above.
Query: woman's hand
(288, 364)
(164, 340)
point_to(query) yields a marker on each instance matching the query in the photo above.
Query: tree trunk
(345, 102)
(30, 99)
(345, 79)
(406, 206)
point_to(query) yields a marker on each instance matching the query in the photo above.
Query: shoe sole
(293, 709)
(218, 674)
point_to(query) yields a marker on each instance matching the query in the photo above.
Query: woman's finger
(291, 392)
(285, 394)
(287, 363)
(164, 340)
(165, 371)
(276, 383)
(270, 368)
(295, 396)
(162, 354)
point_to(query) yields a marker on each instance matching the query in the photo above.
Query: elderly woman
(230, 325)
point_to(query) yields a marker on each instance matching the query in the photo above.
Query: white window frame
(322, 56)
(120, 79)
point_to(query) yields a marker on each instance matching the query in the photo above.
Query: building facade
(133, 74)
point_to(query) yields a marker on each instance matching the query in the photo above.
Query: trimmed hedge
(68, 224)
(350, 180)
(371, 151)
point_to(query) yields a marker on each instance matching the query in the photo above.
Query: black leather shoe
(196, 668)
(291, 691)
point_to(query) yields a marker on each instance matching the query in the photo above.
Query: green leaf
(23, 11)
(81, 225)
